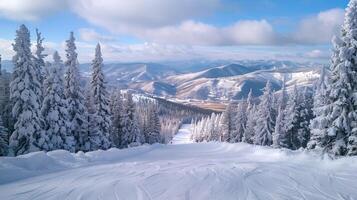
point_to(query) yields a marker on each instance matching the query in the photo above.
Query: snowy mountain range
(205, 80)
(133, 72)
(231, 81)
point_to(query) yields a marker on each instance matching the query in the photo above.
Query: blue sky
(140, 30)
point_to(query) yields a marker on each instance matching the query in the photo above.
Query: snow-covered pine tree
(241, 121)
(100, 100)
(199, 134)
(319, 124)
(54, 109)
(39, 62)
(251, 120)
(94, 135)
(348, 55)
(291, 122)
(132, 135)
(75, 98)
(305, 116)
(153, 131)
(279, 123)
(202, 130)
(342, 88)
(210, 133)
(279, 128)
(196, 130)
(227, 123)
(117, 114)
(265, 118)
(25, 92)
(4, 140)
(216, 127)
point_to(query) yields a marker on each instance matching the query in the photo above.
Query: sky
(169, 30)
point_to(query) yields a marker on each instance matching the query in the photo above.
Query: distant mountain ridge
(220, 82)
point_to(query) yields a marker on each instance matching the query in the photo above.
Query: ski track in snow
(187, 171)
(183, 136)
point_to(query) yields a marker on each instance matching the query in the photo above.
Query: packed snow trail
(191, 171)
(183, 135)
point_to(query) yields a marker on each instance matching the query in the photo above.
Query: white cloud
(154, 52)
(171, 22)
(175, 22)
(319, 28)
(125, 16)
(90, 35)
(188, 32)
(197, 33)
(147, 52)
(30, 10)
(175, 25)
(251, 32)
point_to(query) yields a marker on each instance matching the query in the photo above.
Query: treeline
(52, 109)
(280, 120)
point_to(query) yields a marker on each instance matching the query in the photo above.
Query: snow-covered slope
(155, 87)
(183, 136)
(132, 72)
(215, 72)
(190, 171)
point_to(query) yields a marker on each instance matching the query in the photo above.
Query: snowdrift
(188, 171)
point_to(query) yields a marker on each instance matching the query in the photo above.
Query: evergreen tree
(94, 135)
(342, 118)
(251, 120)
(75, 99)
(39, 62)
(291, 122)
(348, 54)
(132, 135)
(153, 132)
(265, 118)
(54, 109)
(210, 128)
(4, 142)
(227, 123)
(118, 115)
(100, 100)
(279, 123)
(25, 92)
(319, 124)
(279, 128)
(215, 127)
(305, 116)
(241, 121)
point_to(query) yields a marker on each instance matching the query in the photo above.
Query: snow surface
(190, 171)
(183, 136)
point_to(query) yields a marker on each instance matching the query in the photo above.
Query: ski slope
(183, 135)
(191, 171)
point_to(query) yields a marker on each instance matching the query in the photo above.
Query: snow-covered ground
(183, 136)
(190, 171)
